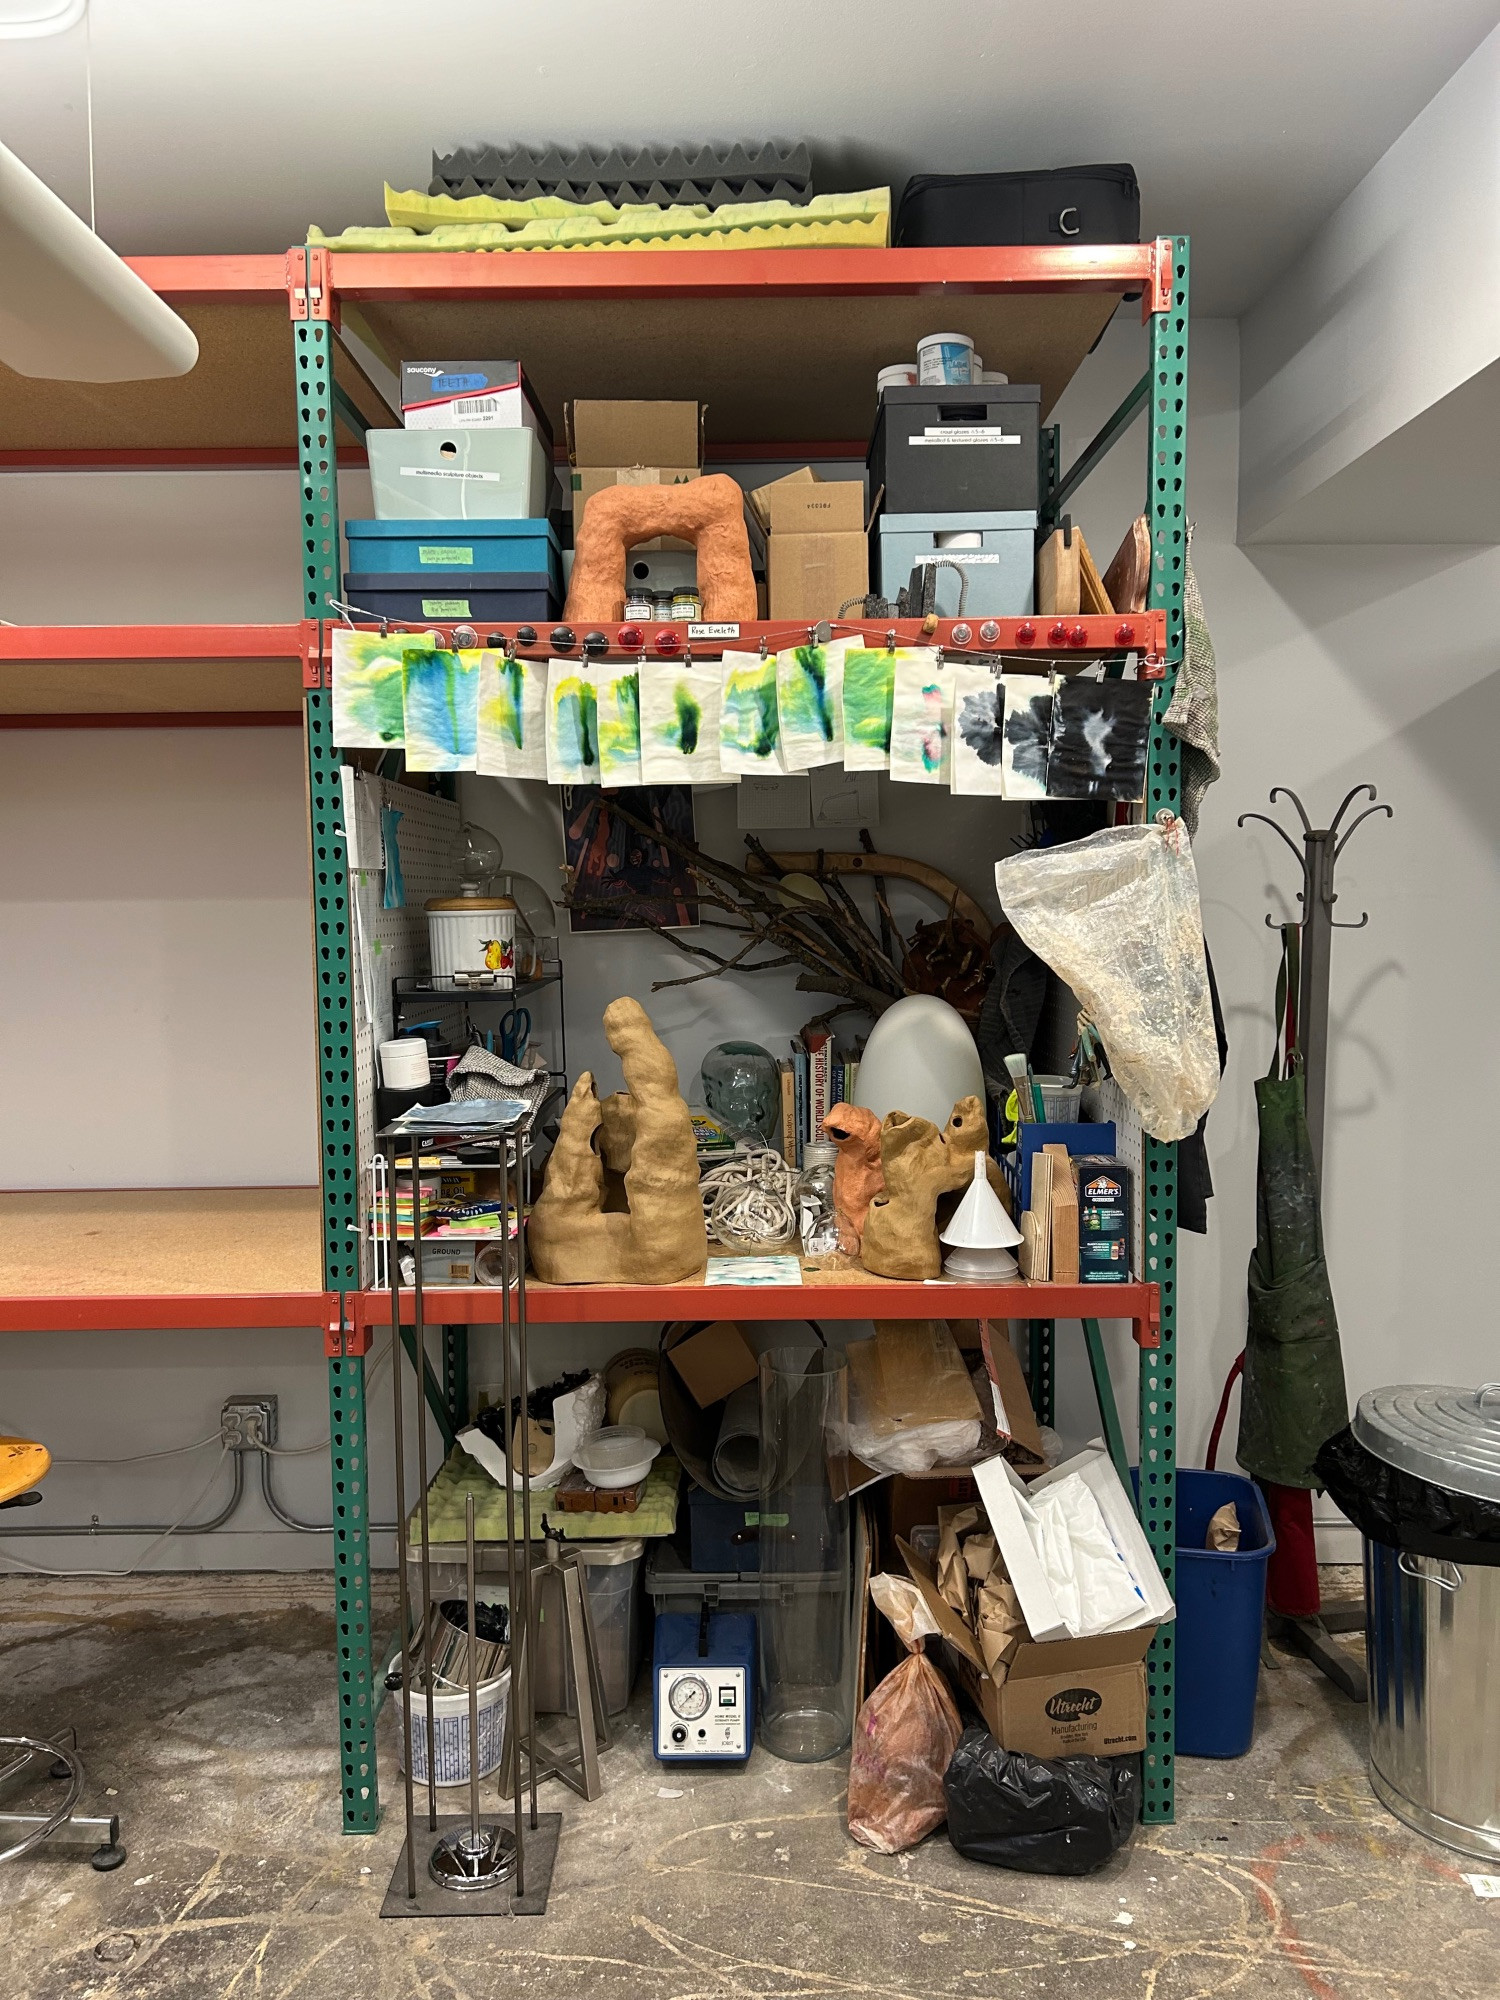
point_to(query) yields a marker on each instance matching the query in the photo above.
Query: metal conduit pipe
(305, 1527)
(236, 1494)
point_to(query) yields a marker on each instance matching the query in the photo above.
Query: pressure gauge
(688, 1697)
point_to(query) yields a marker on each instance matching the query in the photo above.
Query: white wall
(1336, 666)
(1389, 311)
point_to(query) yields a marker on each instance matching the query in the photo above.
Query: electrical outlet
(247, 1422)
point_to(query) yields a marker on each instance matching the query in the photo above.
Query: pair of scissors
(513, 1033)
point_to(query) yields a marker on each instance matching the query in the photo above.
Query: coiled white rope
(748, 1199)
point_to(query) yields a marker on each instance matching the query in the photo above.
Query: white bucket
(404, 1064)
(473, 934)
(945, 357)
(900, 375)
(450, 1729)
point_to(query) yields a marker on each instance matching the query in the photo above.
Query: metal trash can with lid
(1432, 1597)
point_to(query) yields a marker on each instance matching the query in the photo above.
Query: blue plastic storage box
(481, 597)
(1000, 572)
(395, 546)
(1221, 1600)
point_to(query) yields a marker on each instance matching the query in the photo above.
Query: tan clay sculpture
(858, 1176)
(709, 512)
(646, 1129)
(920, 1163)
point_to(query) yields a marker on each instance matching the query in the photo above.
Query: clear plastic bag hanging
(1117, 918)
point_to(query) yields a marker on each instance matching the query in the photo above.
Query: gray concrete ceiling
(231, 124)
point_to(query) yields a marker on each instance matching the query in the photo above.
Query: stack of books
(813, 1079)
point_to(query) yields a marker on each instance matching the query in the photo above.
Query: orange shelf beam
(209, 1311)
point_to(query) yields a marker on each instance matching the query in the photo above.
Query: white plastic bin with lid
(458, 475)
(612, 1576)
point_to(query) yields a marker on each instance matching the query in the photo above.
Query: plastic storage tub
(611, 1574)
(386, 547)
(955, 450)
(1000, 571)
(724, 1535)
(1221, 1599)
(502, 596)
(459, 475)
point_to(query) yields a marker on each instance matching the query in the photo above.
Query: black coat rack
(1319, 856)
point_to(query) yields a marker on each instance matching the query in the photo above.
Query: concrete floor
(205, 1712)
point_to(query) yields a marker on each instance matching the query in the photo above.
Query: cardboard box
(715, 1362)
(624, 433)
(817, 506)
(811, 576)
(1064, 1698)
(470, 395)
(759, 501)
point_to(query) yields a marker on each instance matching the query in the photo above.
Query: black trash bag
(1059, 1816)
(1404, 1511)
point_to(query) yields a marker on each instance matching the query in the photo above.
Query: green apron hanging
(1292, 1399)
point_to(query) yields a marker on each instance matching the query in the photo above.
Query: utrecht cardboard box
(1065, 1698)
(759, 501)
(715, 1362)
(624, 433)
(815, 506)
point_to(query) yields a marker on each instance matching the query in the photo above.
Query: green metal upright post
(312, 332)
(1167, 507)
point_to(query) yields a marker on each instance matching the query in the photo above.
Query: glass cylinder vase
(804, 1628)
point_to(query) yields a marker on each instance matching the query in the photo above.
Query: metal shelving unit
(632, 323)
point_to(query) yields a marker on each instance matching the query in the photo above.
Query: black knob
(595, 642)
(495, 639)
(526, 635)
(679, 1734)
(563, 637)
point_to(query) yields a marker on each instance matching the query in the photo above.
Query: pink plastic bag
(904, 1736)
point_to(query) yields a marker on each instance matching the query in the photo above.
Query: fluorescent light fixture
(70, 309)
(51, 17)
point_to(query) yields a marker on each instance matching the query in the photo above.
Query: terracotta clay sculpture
(645, 1130)
(920, 1163)
(709, 512)
(858, 1177)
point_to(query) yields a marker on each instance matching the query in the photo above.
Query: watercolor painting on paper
(869, 688)
(978, 732)
(572, 728)
(810, 704)
(368, 702)
(1100, 735)
(749, 728)
(922, 720)
(440, 705)
(1027, 751)
(617, 694)
(512, 717)
(680, 723)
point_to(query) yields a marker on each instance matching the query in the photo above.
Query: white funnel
(981, 1234)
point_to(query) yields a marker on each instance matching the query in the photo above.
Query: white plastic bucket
(900, 375)
(945, 357)
(450, 1729)
(404, 1064)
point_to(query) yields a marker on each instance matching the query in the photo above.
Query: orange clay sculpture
(920, 1163)
(858, 1176)
(709, 512)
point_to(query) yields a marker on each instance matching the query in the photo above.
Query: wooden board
(1128, 577)
(160, 1241)
(150, 687)
(1059, 582)
(1093, 598)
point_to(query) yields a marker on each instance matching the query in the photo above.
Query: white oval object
(615, 1457)
(920, 1059)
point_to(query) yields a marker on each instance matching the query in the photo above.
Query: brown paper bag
(979, 1556)
(952, 1571)
(1002, 1624)
(1224, 1529)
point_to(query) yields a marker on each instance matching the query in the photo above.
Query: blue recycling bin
(1221, 1600)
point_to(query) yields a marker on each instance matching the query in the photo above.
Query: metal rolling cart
(470, 1864)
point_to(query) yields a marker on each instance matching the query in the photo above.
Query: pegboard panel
(396, 944)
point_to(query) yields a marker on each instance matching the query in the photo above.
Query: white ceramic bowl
(619, 1455)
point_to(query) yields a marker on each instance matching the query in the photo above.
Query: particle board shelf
(781, 344)
(155, 1257)
(840, 1292)
(53, 675)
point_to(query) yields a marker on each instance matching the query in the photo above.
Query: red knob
(1078, 635)
(1057, 635)
(1025, 632)
(628, 638)
(1125, 635)
(667, 641)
